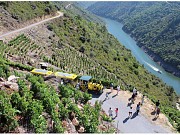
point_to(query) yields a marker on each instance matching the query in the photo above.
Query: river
(115, 28)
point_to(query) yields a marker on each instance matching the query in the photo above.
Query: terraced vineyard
(67, 59)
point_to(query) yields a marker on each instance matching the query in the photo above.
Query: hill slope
(73, 44)
(154, 25)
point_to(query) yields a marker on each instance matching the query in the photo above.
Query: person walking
(107, 96)
(110, 112)
(118, 89)
(133, 98)
(130, 111)
(157, 105)
(116, 111)
(157, 112)
(134, 91)
(142, 100)
(111, 87)
(62, 82)
(138, 108)
(77, 86)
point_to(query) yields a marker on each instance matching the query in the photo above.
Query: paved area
(134, 124)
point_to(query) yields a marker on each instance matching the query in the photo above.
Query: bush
(50, 27)
(65, 91)
(106, 118)
(86, 97)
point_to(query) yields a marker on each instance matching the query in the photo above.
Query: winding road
(32, 25)
(135, 124)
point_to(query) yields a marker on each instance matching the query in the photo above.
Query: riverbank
(115, 28)
(168, 67)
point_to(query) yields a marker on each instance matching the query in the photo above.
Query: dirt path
(142, 123)
(30, 26)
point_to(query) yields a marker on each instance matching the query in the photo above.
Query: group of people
(137, 109)
(111, 87)
(132, 99)
(134, 95)
(110, 111)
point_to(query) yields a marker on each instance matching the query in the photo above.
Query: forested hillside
(23, 11)
(78, 46)
(86, 4)
(154, 25)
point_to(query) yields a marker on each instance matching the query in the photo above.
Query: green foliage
(173, 115)
(86, 97)
(150, 24)
(24, 11)
(58, 126)
(66, 91)
(111, 130)
(78, 96)
(106, 118)
(89, 119)
(73, 108)
(7, 113)
(37, 120)
(4, 70)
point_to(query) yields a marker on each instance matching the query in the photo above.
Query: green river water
(115, 28)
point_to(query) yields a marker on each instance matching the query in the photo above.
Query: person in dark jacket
(157, 112)
(138, 108)
(157, 105)
(111, 87)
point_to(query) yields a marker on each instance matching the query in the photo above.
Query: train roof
(41, 72)
(65, 75)
(85, 78)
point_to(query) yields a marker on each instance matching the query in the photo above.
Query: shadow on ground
(154, 119)
(153, 113)
(94, 94)
(125, 120)
(134, 115)
(114, 96)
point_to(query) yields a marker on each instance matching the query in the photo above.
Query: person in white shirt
(134, 90)
(110, 112)
(130, 111)
(62, 82)
(142, 100)
(77, 86)
(118, 89)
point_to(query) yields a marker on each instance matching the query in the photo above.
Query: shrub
(106, 118)
(86, 97)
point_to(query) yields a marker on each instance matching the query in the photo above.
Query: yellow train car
(65, 75)
(41, 72)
